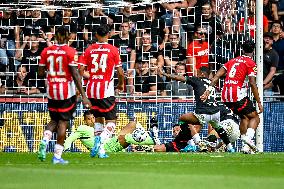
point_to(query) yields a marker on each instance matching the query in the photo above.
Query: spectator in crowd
(125, 42)
(143, 54)
(128, 14)
(270, 10)
(197, 52)
(147, 81)
(195, 8)
(69, 24)
(278, 43)
(92, 21)
(34, 24)
(153, 23)
(277, 82)
(29, 56)
(211, 22)
(9, 40)
(227, 46)
(270, 62)
(251, 25)
(174, 52)
(170, 7)
(270, 58)
(20, 84)
(178, 88)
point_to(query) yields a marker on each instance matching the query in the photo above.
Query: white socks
(229, 146)
(196, 138)
(191, 142)
(47, 134)
(98, 129)
(250, 133)
(108, 131)
(58, 149)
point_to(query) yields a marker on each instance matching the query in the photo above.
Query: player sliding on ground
(205, 112)
(228, 120)
(234, 93)
(132, 133)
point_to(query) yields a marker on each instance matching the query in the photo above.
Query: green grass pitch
(144, 170)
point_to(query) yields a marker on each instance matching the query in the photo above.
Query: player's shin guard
(108, 131)
(106, 134)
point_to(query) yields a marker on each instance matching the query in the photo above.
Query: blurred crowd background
(179, 36)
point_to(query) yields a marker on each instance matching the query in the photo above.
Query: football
(232, 129)
(139, 134)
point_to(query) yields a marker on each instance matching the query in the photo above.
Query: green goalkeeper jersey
(86, 135)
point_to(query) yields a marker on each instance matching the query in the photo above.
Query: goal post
(259, 61)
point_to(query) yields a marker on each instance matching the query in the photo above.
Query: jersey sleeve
(226, 65)
(252, 69)
(83, 58)
(43, 58)
(73, 57)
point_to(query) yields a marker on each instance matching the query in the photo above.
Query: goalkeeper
(125, 137)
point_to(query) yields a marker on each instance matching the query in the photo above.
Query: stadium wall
(22, 124)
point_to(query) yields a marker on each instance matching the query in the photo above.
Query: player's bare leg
(129, 128)
(107, 133)
(192, 120)
(58, 148)
(251, 127)
(160, 148)
(189, 118)
(47, 134)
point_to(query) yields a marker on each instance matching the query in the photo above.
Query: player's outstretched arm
(254, 89)
(78, 83)
(170, 76)
(222, 71)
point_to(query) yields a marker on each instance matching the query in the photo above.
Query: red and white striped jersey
(238, 69)
(101, 60)
(57, 59)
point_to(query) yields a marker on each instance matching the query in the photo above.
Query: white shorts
(207, 118)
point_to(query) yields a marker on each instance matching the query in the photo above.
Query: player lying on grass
(228, 121)
(184, 133)
(132, 133)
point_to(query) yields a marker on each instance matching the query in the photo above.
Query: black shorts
(175, 146)
(104, 108)
(62, 109)
(242, 107)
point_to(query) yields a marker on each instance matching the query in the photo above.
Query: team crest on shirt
(76, 57)
(255, 69)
